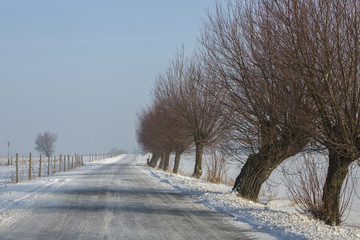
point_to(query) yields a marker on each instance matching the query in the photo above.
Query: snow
(273, 217)
(16, 197)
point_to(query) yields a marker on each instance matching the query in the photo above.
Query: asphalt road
(119, 201)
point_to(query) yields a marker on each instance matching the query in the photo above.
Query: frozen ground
(273, 215)
(113, 199)
(274, 192)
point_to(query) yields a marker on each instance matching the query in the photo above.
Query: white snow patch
(276, 218)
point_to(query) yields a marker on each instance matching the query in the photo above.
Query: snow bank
(275, 217)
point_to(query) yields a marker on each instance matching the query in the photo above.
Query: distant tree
(147, 134)
(198, 112)
(45, 143)
(175, 134)
(116, 150)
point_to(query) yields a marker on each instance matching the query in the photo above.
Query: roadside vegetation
(271, 79)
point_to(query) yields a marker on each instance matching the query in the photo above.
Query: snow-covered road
(112, 200)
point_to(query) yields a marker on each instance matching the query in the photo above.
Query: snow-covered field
(272, 215)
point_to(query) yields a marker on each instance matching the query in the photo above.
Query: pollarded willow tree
(146, 134)
(159, 132)
(321, 40)
(270, 124)
(176, 135)
(198, 112)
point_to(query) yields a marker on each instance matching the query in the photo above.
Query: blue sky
(84, 68)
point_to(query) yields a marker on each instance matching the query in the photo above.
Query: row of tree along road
(270, 79)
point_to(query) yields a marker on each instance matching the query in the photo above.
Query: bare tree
(269, 122)
(45, 143)
(176, 135)
(146, 133)
(198, 111)
(159, 131)
(323, 42)
(305, 181)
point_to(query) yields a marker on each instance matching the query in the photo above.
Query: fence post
(40, 167)
(49, 163)
(30, 166)
(17, 168)
(60, 160)
(54, 164)
(68, 162)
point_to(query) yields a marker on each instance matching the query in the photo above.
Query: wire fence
(16, 169)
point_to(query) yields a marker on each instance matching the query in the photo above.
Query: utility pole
(8, 153)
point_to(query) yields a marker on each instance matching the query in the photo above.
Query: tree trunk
(198, 160)
(154, 160)
(162, 160)
(177, 161)
(256, 171)
(252, 175)
(259, 166)
(166, 161)
(337, 172)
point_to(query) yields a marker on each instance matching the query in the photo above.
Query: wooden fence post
(49, 163)
(30, 166)
(40, 167)
(60, 160)
(17, 168)
(54, 170)
(68, 162)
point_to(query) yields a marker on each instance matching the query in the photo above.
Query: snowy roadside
(15, 198)
(277, 218)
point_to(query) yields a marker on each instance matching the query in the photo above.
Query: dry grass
(305, 187)
(215, 165)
